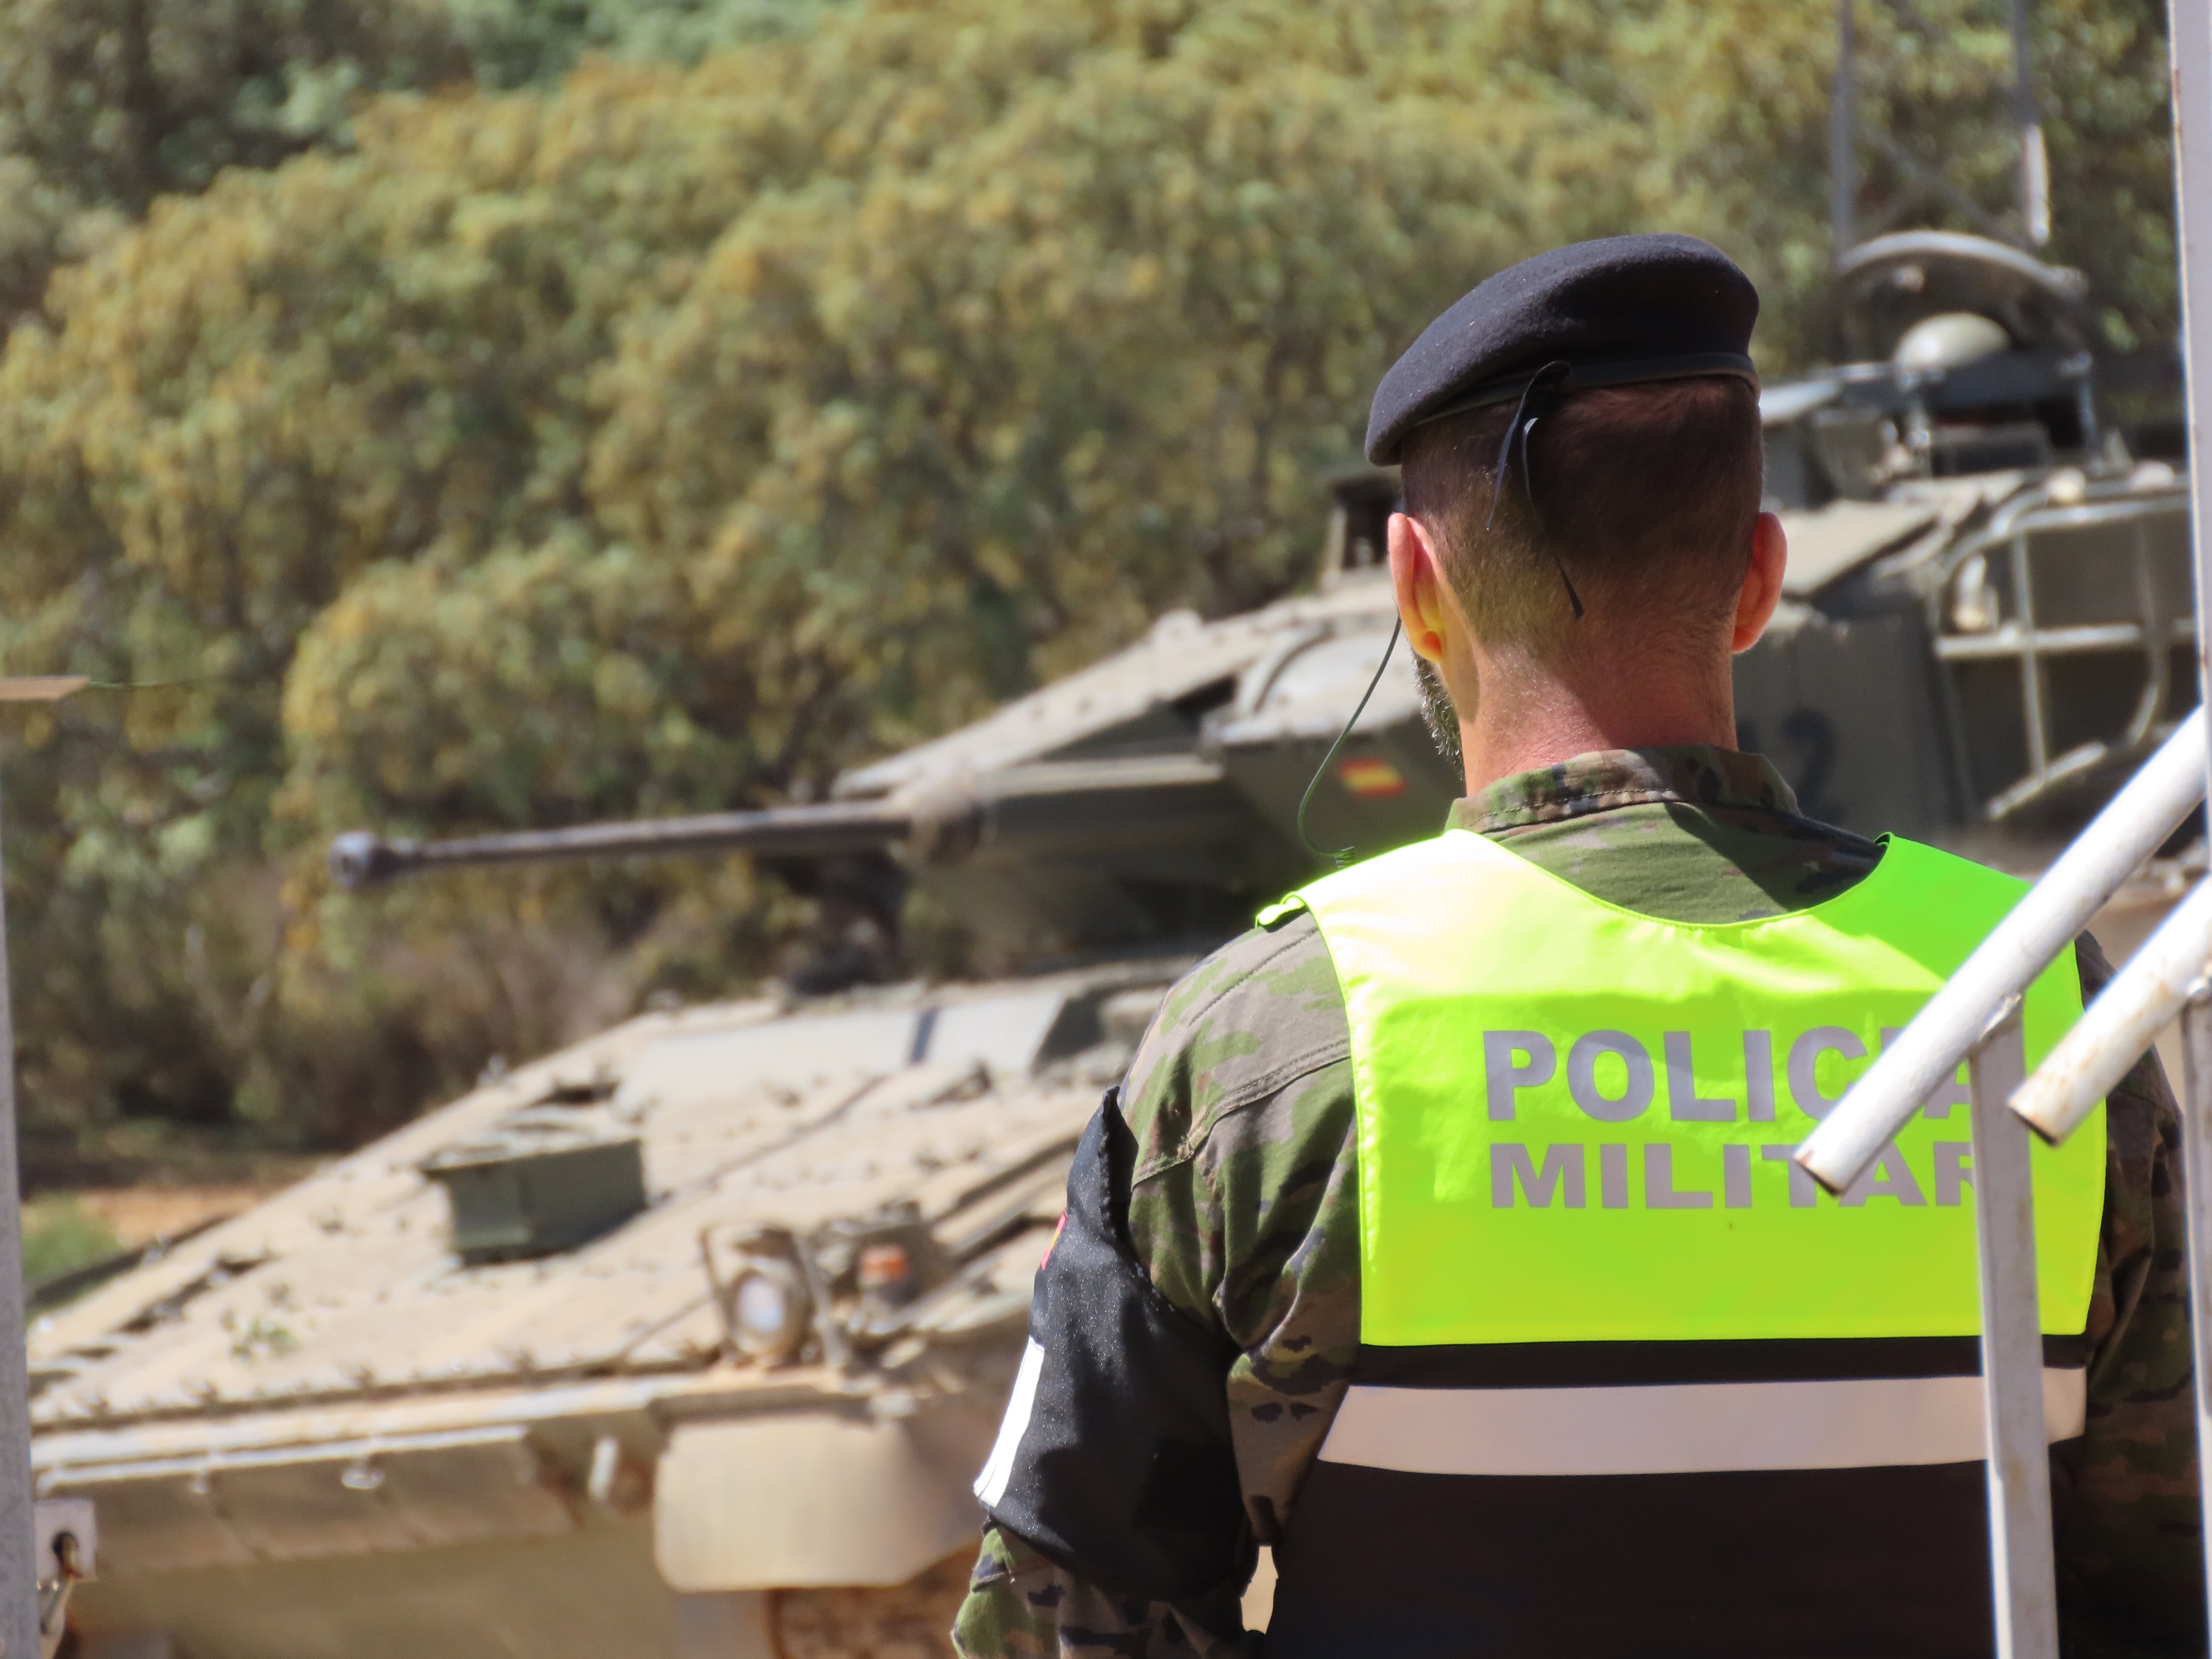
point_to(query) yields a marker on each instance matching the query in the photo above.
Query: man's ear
(1762, 583)
(1417, 573)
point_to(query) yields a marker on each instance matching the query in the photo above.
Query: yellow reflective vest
(1598, 1298)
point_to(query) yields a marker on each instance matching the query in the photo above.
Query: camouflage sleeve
(2125, 1501)
(1243, 1201)
(1241, 1208)
(1022, 1606)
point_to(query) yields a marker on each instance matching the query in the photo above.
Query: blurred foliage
(59, 1235)
(514, 43)
(108, 105)
(122, 100)
(667, 435)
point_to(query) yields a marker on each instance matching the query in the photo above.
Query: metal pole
(2197, 1193)
(2155, 984)
(2034, 160)
(2190, 30)
(2023, 1573)
(2190, 22)
(1843, 135)
(19, 1589)
(2155, 804)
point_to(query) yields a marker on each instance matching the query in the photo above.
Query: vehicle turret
(1151, 797)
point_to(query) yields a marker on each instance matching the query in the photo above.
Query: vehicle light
(769, 1311)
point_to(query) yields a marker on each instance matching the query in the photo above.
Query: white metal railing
(1975, 1017)
(1927, 1053)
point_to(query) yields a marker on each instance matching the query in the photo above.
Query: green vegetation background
(453, 413)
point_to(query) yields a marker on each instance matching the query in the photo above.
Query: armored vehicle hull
(319, 1430)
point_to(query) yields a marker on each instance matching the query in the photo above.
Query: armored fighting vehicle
(689, 1339)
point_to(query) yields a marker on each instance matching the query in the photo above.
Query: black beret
(1615, 312)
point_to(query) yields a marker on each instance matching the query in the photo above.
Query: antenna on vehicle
(1843, 135)
(2034, 180)
(2035, 159)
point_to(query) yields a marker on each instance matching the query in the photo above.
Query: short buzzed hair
(1643, 496)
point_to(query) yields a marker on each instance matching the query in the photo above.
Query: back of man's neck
(1529, 732)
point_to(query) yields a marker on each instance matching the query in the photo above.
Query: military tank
(690, 1339)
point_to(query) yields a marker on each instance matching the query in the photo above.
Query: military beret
(1615, 312)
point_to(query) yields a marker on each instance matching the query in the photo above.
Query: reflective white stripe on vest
(999, 1469)
(1681, 1428)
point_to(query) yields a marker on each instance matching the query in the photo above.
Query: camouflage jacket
(1243, 1209)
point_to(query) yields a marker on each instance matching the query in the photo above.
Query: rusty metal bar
(1928, 1052)
(2022, 1569)
(2143, 997)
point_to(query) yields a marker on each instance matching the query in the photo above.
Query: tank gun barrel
(1058, 809)
(361, 858)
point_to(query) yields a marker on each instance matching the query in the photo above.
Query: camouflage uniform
(1243, 1210)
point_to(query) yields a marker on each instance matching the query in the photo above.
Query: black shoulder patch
(1124, 1471)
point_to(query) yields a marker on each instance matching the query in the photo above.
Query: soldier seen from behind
(1444, 1236)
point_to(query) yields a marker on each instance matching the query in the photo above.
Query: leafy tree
(123, 100)
(514, 43)
(670, 437)
(615, 704)
(295, 377)
(108, 105)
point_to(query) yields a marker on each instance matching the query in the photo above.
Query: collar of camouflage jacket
(1694, 774)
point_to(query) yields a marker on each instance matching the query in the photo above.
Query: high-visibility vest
(1628, 1382)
